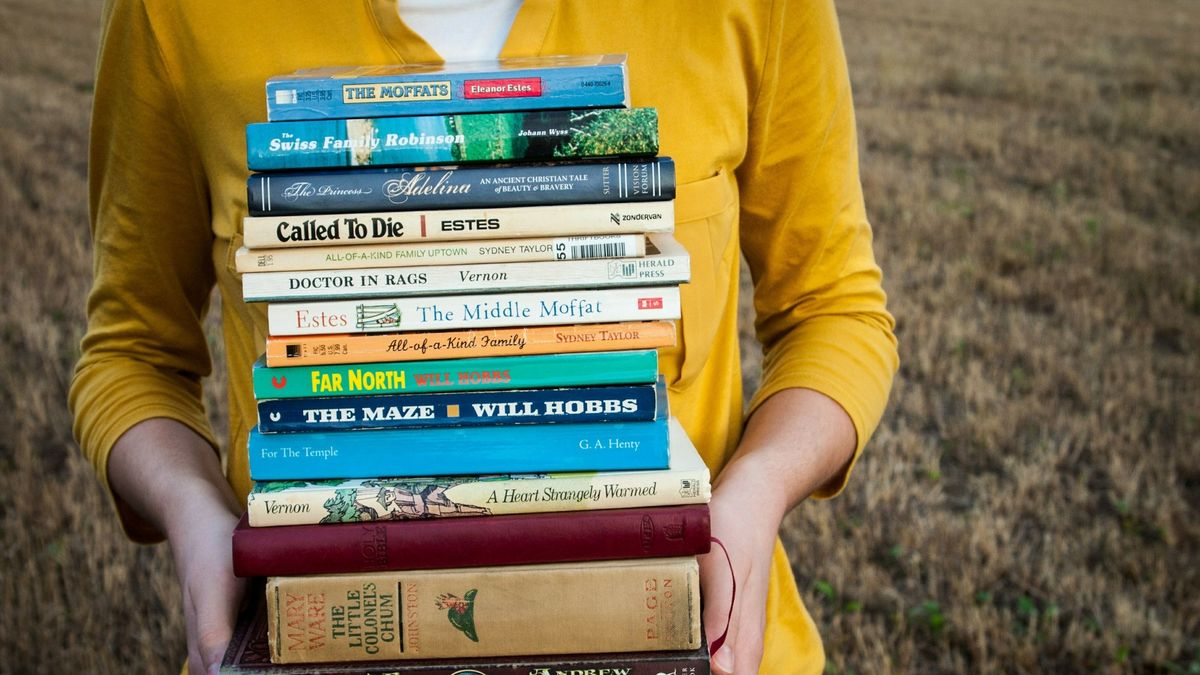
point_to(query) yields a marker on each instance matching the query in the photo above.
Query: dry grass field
(1031, 501)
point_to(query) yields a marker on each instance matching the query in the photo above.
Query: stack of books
(467, 270)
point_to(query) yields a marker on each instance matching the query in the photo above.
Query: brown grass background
(1031, 502)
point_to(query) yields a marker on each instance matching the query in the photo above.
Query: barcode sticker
(586, 251)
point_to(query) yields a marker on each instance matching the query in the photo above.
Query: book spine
(693, 662)
(452, 139)
(249, 653)
(485, 373)
(439, 253)
(521, 341)
(481, 278)
(511, 222)
(450, 451)
(568, 608)
(391, 314)
(522, 406)
(281, 503)
(404, 189)
(591, 86)
(614, 534)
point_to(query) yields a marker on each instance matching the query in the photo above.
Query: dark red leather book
(470, 542)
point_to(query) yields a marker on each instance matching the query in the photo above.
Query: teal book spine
(450, 451)
(486, 373)
(452, 139)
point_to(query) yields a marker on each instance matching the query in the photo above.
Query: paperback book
(454, 451)
(513, 341)
(452, 139)
(505, 222)
(533, 538)
(479, 310)
(365, 500)
(485, 373)
(403, 189)
(561, 608)
(425, 253)
(665, 262)
(564, 405)
(525, 83)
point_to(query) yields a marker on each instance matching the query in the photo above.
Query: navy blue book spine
(458, 450)
(404, 189)
(512, 406)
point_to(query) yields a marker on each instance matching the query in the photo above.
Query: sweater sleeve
(820, 308)
(145, 351)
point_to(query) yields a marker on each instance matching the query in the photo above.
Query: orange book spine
(317, 350)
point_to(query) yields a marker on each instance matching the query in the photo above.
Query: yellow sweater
(754, 106)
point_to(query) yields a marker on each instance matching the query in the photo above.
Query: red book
(470, 542)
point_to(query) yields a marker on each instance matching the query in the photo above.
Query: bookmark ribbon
(716, 644)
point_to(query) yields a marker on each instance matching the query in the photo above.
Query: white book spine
(641, 303)
(665, 262)
(439, 253)
(457, 224)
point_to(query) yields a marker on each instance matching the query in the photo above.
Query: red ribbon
(715, 645)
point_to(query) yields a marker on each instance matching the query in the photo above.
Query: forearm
(169, 475)
(797, 441)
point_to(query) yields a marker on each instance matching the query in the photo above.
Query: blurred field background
(1031, 501)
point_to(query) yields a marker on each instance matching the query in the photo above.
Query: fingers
(720, 608)
(743, 648)
(211, 613)
(743, 627)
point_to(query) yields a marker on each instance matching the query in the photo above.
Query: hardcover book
(309, 502)
(486, 373)
(453, 451)
(532, 538)
(511, 222)
(559, 608)
(422, 346)
(452, 139)
(665, 262)
(420, 253)
(563, 405)
(525, 83)
(479, 310)
(249, 653)
(406, 189)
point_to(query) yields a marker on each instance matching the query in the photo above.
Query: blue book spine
(545, 135)
(449, 451)
(579, 82)
(513, 406)
(405, 189)
(534, 371)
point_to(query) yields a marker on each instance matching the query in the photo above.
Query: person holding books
(754, 106)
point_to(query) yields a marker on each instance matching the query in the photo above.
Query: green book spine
(504, 372)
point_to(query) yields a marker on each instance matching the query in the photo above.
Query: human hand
(203, 549)
(747, 526)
